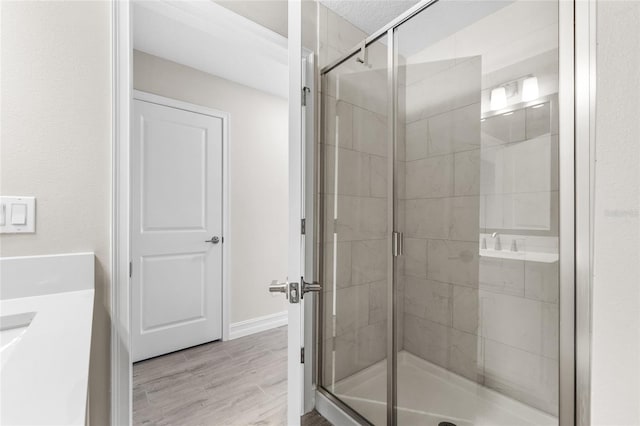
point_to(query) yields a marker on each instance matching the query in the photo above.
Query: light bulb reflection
(530, 89)
(498, 98)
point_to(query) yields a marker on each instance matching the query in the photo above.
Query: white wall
(258, 156)
(56, 144)
(616, 283)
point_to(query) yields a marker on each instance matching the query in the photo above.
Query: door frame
(122, 95)
(226, 239)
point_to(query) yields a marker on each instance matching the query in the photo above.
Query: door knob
(290, 290)
(213, 240)
(276, 287)
(294, 291)
(307, 287)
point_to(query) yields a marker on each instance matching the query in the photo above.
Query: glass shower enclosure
(439, 218)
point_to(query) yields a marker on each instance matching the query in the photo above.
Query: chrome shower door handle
(213, 240)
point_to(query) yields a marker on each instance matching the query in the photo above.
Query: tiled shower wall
(518, 299)
(441, 212)
(491, 320)
(355, 203)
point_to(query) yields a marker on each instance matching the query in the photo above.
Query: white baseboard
(258, 324)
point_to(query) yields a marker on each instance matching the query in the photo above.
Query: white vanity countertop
(44, 379)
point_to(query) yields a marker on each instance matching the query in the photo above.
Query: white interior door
(176, 240)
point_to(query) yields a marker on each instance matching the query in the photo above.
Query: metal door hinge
(303, 226)
(130, 269)
(302, 355)
(305, 92)
(397, 243)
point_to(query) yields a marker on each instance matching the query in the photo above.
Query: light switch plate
(7, 213)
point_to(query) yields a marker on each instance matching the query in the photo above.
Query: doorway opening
(208, 156)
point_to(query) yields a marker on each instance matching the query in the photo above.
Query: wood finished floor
(238, 382)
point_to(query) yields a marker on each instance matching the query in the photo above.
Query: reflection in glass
(354, 154)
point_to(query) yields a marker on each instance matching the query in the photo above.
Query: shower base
(428, 395)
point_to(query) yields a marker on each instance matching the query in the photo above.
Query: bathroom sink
(12, 328)
(520, 255)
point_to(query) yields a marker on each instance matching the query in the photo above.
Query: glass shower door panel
(477, 191)
(355, 232)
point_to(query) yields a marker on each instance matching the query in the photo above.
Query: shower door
(355, 205)
(441, 218)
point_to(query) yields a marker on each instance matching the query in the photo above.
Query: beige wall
(56, 144)
(272, 14)
(258, 192)
(616, 289)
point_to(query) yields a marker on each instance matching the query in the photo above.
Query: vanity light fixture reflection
(530, 89)
(498, 98)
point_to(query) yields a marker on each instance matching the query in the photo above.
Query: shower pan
(440, 211)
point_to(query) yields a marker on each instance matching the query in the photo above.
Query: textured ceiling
(369, 15)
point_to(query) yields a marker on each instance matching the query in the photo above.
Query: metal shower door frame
(576, 98)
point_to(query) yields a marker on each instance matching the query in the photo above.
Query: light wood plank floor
(239, 382)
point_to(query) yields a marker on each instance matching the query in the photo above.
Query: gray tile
(538, 120)
(415, 257)
(242, 381)
(358, 218)
(417, 134)
(465, 218)
(369, 132)
(455, 131)
(347, 172)
(379, 176)
(527, 377)
(464, 356)
(502, 275)
(429, 177)
(159, 367)
(428, 218)
(428, 299)
(341, 113)
(512, 320)
(371, 344)
(377, 301)
(467, 172)
(368, 261)
(352, 309)
(541, 281)
(501, 129)
(337, 267)
(453, 262)
(466, 304)
(427, 339)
